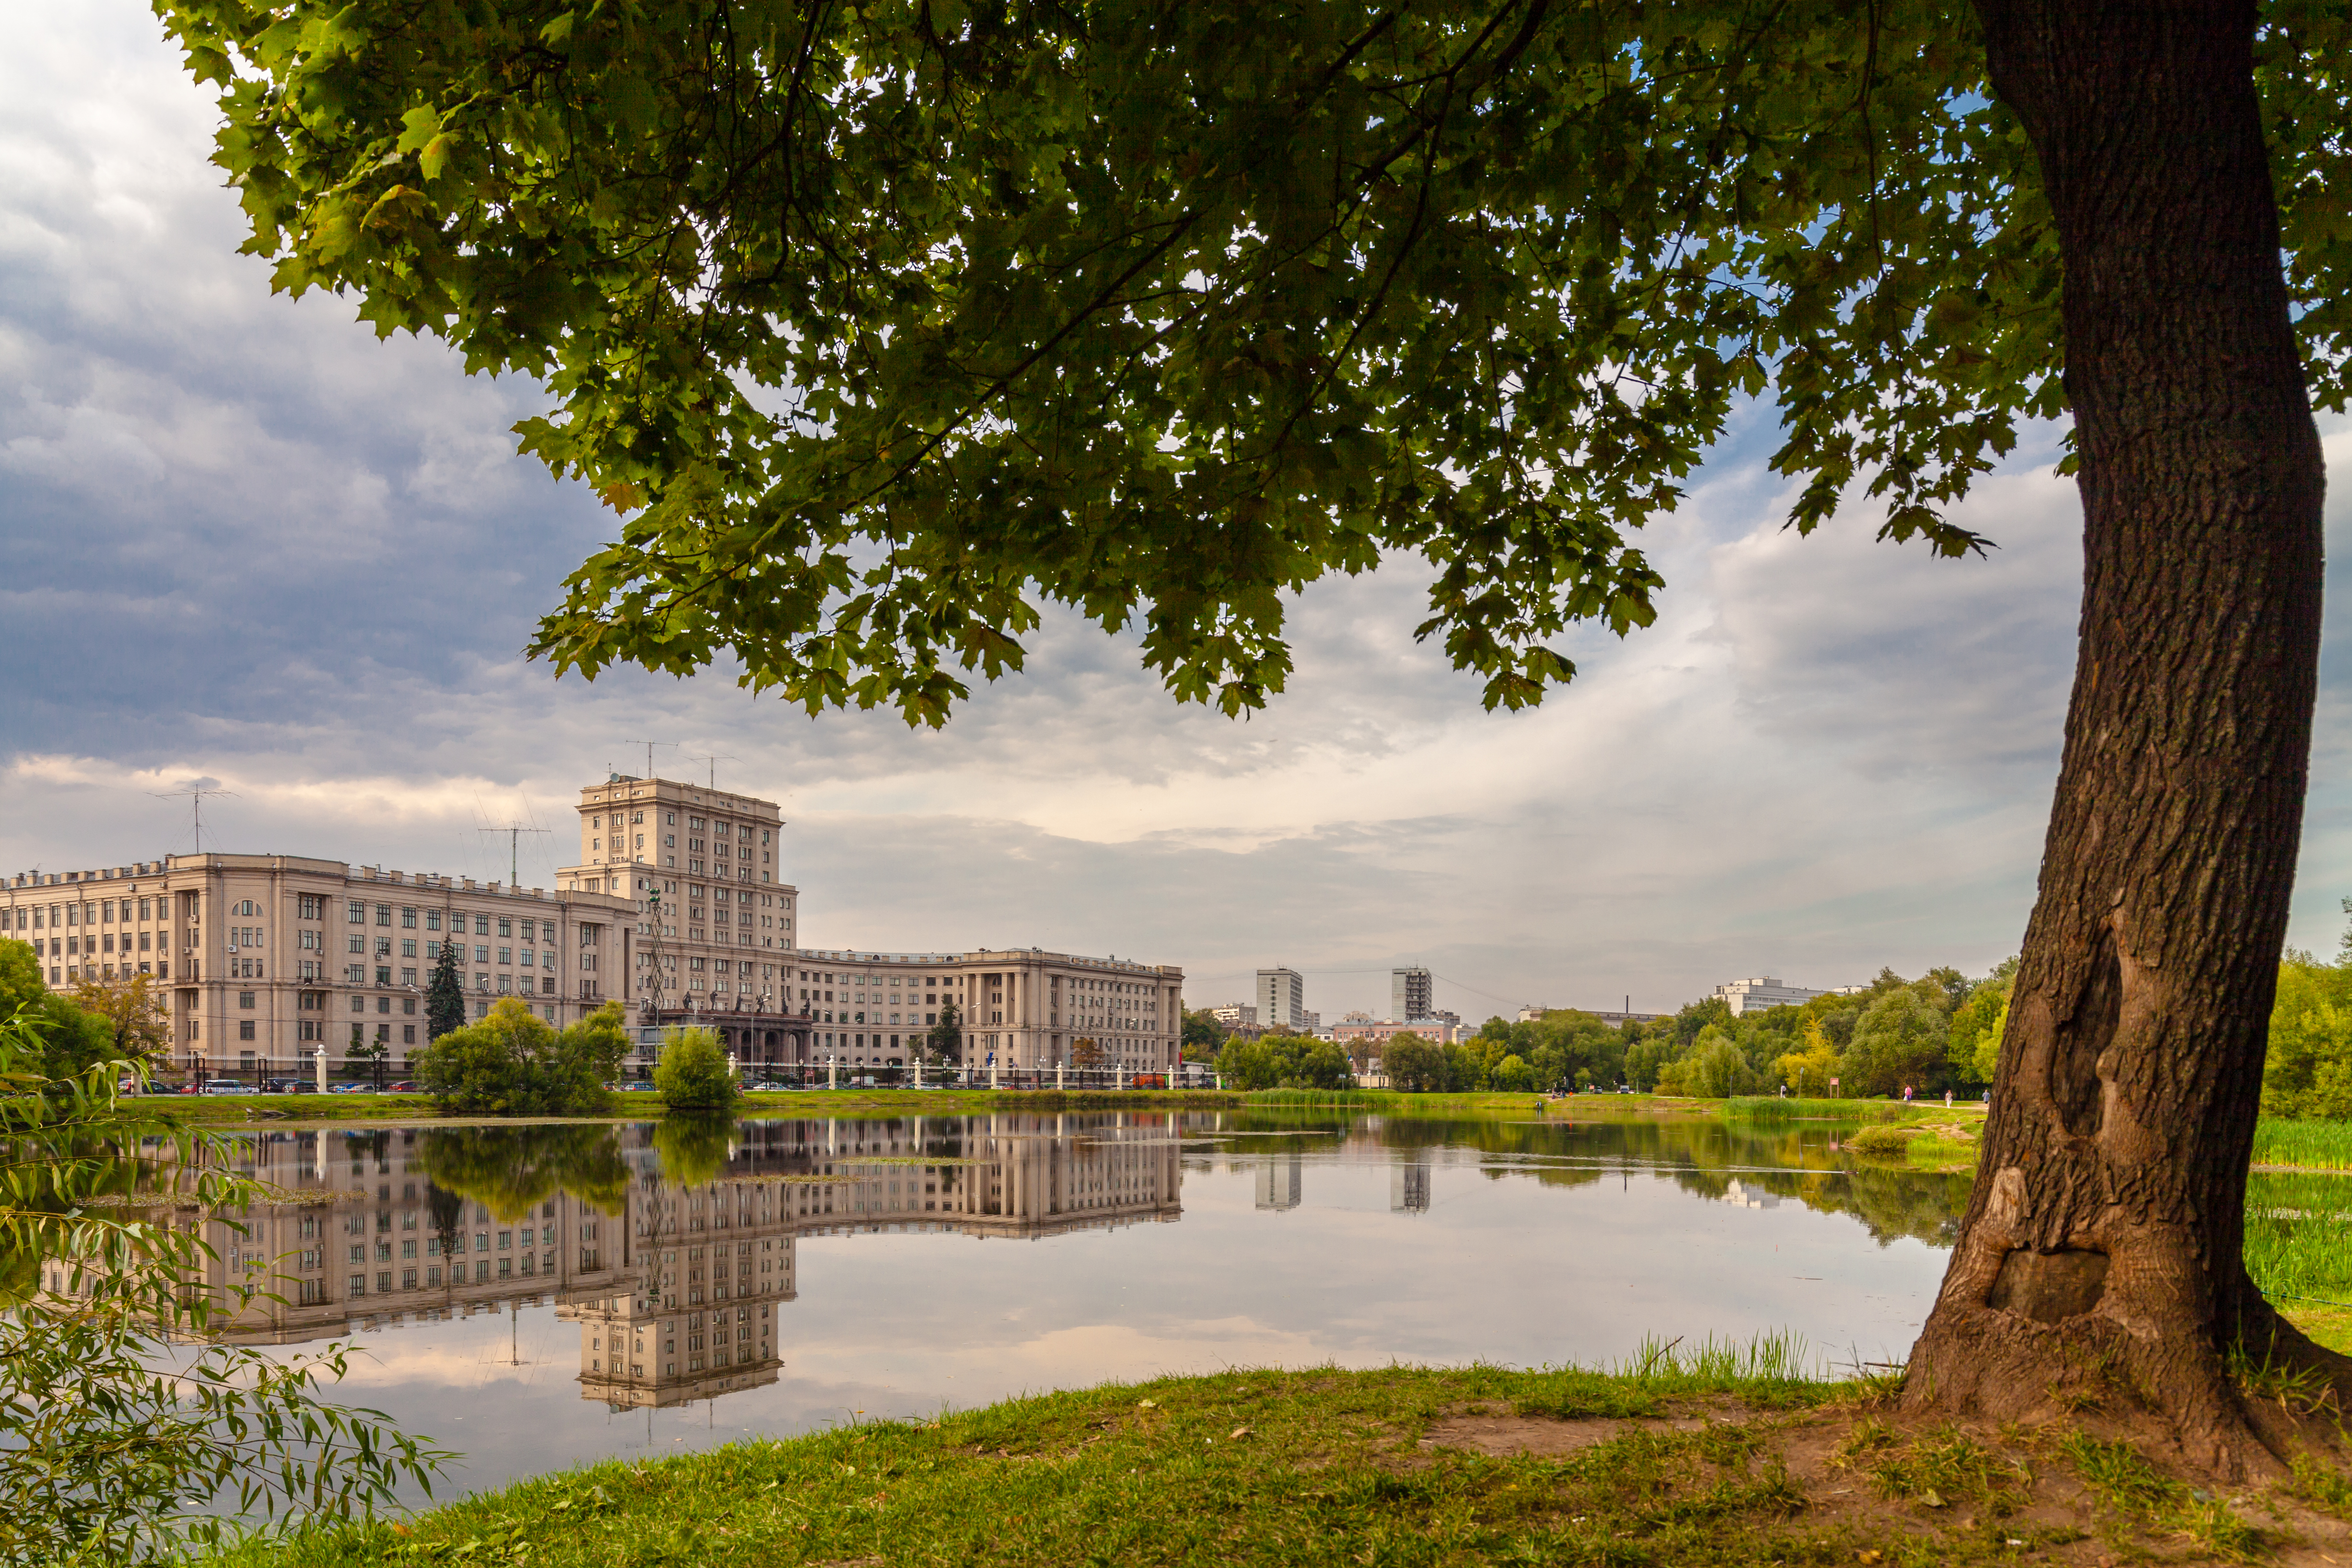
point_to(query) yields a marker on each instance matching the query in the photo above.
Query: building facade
(677, 906)
(1759, 992)
(1281, 998)
(702, 868)
(1410, 996)
(262, 960)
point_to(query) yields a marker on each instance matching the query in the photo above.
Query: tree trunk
(2102, 1244)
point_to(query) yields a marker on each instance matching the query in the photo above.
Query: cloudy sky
(247, 542)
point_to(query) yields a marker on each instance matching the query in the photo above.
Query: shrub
(514, 1063)
(1512, 1075)
(694, 1074)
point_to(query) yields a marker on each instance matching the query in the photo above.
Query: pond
(537, 1296)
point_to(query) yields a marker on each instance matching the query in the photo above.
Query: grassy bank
(1720, 1458)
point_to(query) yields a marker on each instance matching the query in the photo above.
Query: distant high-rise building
(1235, 1015)
(1281, 998)
(1408, 994)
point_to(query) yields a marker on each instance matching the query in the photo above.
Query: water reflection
(660, 1265)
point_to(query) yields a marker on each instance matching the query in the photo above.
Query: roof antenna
(649, 746)
(714, 762)
(514, 832)
(194, 790)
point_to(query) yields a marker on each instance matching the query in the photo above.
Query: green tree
(1204, 1036)
(693, 1074)
(2308, 1069)
(515, 1063)
(1716, 1069)
(1472, 282)
(1246, 1064)
(1900, 1040)
(71, 1040)
(1413, 1064)
(138, 1029)
(445, 994)
(945, 1038)
(1512, 1075)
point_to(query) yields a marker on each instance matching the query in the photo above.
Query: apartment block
(263, 961)
(1408, 994)
(1281, 998)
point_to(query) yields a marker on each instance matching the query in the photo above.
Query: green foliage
(20, 977)
(1715, 1068)
(1204, 1036)
(945, 1039)
(69, 1039)
(693, 1074)
(1161, 318)
(1901, 1040)
(1413, 1064)
(1284, 1061)
(1977, 1024)
(1512, 1075)
(125, 1438)
(514, 1063)
(444, 995)
(2308, 1070)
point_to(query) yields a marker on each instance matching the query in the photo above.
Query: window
(245, 998)
(408, 1031)
(245, 1028)
(481, 925)
(433, 920)
(408, 918)
(506, 925)
(357, 913)
(384, 914)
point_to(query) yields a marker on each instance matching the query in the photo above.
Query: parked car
(403, 1087)
(288, 1085)
(351, 1088)
(229, 1085)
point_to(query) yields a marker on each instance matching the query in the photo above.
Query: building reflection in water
(1409, 1183)
(672, 1249)
(1740, 1195)
(1280, 1181)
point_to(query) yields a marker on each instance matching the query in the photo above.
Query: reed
(2311, 1145)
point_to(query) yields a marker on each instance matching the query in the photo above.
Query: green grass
(1682, 1457)
(2299, 1235)
(1772, 1107)
(1240, 1468)
(2314, 1145)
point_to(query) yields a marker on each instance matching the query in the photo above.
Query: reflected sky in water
(1057, 1251)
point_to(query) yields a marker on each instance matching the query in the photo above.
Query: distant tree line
(2308, 1072)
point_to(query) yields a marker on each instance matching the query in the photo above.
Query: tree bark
(2102, 1244)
